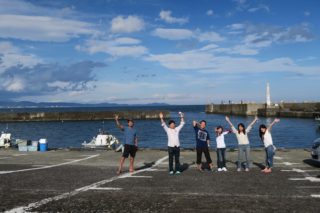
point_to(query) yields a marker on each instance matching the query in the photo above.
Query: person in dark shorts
(130, 143)
(202, 143)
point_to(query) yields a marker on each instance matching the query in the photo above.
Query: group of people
(202, 143)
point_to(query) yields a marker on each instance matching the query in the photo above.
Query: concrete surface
(86, 181)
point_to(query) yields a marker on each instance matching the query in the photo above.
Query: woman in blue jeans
(243, 141)
(265, 135)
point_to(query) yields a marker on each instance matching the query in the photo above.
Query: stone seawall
(294, 110)
(79, 116)
(234, 109)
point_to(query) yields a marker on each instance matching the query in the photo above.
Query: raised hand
(277, 120)
(161, 115)
(116, 116)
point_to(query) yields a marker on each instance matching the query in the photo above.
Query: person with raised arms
(243, 141)
(202, 143)
(130, 143)
(173, 142)
(266, 138)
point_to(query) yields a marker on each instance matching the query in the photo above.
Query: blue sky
(146, 51)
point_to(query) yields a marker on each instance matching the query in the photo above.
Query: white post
(268, 101)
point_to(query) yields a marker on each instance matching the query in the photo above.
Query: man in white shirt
(173, 142)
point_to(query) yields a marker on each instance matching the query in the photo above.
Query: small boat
(5, 140)
(104, 140)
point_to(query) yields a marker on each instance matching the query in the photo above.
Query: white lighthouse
(268, 98)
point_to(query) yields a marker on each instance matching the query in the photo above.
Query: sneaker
(178, 172)
(220, 170)
(224, 169)
(247, 169)
(171, 173)
(238, 170)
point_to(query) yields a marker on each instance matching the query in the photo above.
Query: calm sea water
(289, 133)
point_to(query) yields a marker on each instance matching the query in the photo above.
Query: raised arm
(161, 117)
(252, 123)
(181, 117)
(276, 120)
(195, 123)
(229, 121)
(116, 118)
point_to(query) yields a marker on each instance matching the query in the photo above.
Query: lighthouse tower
(268, 98)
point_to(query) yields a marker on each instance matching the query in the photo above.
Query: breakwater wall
(79, 116)
(294, 110)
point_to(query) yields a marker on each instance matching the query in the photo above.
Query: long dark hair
(219, 127)
(261, 134)
(244, 128)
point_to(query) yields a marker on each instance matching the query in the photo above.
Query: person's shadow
(312, 162)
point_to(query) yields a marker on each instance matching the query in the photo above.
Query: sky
(159, 51)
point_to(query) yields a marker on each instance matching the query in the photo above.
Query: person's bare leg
(121, 165)
(131, 169)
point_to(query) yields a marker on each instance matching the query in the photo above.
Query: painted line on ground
(312, 179)
(137, 176)
(308, 187)
(278, 158)
(106, 188)
(49, 166)
(315, 196)
(288, 163)
(4, 158)
(298, 170)
(79, 190)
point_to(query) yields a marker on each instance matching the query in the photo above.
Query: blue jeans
(269, 156)
(221, 157)
(246, 150)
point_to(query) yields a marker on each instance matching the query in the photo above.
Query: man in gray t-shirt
(130, 143)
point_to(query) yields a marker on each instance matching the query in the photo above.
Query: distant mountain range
(24, 104)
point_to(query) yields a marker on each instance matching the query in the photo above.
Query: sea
(289, 133)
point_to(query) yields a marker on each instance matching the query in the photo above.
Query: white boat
(103, 140)
(5, 140)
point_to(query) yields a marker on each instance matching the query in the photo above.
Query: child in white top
(265, 135)
(221, 148)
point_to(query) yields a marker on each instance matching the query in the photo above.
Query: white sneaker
(238, 170)
(224, 169)
(220, 170)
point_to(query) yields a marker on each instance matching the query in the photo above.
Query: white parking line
(49, 166)
(287, 163)
(106, 188)
(298, 170)
(315, 196)
(77, 191)
(278, 158)
(5, 158)
(312, 179)
(137, 176)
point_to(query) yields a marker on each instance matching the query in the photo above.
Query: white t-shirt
(173, 134)
(220, 140)
(242, 138)
(267, 139)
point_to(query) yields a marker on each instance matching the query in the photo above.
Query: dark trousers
(204, 150)
(221, 157)
(174, 152)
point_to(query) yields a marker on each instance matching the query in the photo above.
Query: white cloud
(130, 24)
(259, 7)
(11, 55)
(173, 34)
(207, 62)
(42, 28)
(307, 13)
(181, 34)
(118, 47)
(209, 12)
(209, 36)
(166, 16)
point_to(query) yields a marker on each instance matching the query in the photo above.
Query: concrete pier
(294, 110)
(78, 116)
(86, 181)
